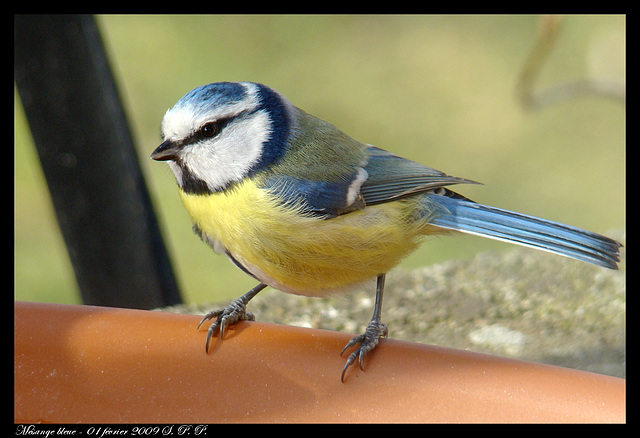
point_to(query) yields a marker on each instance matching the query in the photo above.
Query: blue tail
(468, 217)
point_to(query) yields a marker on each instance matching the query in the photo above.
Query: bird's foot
(234, 312)
(375, 331)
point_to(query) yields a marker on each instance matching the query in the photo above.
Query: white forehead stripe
(188, 115)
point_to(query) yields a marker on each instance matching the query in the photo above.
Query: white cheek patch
(229, 156)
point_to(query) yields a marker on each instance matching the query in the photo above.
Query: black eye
(210, 129)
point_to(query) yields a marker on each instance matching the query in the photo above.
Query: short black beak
(165, 152)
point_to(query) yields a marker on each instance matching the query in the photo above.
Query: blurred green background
(435, 89)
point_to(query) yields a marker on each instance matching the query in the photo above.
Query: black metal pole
(90, 164)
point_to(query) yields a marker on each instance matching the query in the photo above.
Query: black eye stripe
(210, 129)
(213, 128)
(216, 125)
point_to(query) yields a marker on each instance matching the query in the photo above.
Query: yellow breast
(299, 253)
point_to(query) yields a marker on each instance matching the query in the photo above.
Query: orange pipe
(106, 365)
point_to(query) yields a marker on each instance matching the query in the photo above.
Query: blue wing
(383, 177)
(392, 177)
(318, 198)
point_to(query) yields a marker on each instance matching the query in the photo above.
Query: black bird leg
(372, 334)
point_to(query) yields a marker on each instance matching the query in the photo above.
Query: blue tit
(302, 207)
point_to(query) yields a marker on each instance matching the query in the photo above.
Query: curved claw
(368, 341)
(208, 316)
(234, 312)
